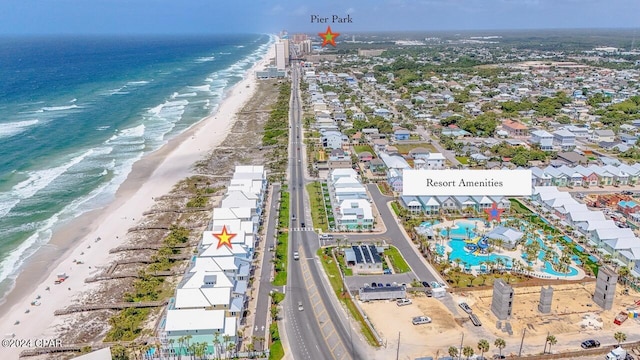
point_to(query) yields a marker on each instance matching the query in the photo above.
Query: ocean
(77, 112)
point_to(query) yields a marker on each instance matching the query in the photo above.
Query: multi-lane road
(317, 329)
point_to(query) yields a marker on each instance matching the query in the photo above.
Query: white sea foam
(137, 131)
(137, 83)
(205, 59)
(102, 128)
(191, 94)
(15, 128)
(12, 263)
(36, 181)
(225, 53)
(200, 88)
(73, 100)
(59, 108)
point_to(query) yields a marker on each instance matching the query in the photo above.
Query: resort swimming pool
(470, 259)
(464, 229)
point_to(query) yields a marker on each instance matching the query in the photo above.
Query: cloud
(350, 10)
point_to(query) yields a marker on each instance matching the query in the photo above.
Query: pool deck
(516, 255)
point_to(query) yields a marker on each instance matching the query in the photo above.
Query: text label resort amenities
(466, 182)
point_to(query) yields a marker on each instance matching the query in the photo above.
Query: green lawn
(405, 148)
(462, 159)
(280, 258)
(318, 212)
(396, 208)
(276, 351)
(360, 148)
(397, 261)
(336, 283)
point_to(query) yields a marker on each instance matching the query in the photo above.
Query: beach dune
(153, 176)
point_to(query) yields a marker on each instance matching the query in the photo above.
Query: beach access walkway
(114, 306)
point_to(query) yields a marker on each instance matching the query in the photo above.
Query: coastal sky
(251, 16)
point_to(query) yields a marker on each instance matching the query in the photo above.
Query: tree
(467, 351)
(453, 351)
(551, 340)
(620, 337)
(118, 352)
(500, 344)
(483, 346)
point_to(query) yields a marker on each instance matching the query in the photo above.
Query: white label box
(424, 182)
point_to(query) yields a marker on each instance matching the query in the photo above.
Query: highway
(319, 330)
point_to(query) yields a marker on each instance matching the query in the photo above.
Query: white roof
(394, 162)
(623, 243)
(205, 264)
(236, 199)
(232, 213)
(586, 216)
(230, 326)
(222, 251)
(195, 319)
(617, 233)
(250, 186)
(598, 224)
(196, 279)
(361, 204)
(202, 298)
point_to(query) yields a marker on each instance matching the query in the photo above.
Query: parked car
(419, 320)
(464, 306)
(425, 284)
(498, 356)
(589, 344)
(403, 302)
(627, 192)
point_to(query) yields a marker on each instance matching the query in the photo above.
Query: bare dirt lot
(390, 319)
(573, 319)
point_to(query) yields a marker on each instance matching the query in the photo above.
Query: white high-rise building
(286, 51)
(280, 56)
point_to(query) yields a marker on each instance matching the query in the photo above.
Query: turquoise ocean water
(76, 113)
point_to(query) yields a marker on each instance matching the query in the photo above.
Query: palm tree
(500, 344)
(620, 337)
(551, 340)
(453, 351)
(483, 346)
(467, 351)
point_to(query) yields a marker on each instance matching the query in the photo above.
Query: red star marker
(493, 212)
(224, 238)
(328, 37)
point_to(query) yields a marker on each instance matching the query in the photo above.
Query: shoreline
(152, 176)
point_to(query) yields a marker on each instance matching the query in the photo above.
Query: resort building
(505, 236)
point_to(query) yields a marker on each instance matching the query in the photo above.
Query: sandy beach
(151, 177)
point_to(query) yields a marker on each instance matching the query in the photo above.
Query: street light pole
(461, 342)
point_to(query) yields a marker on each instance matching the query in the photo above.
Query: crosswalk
(302, 229)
